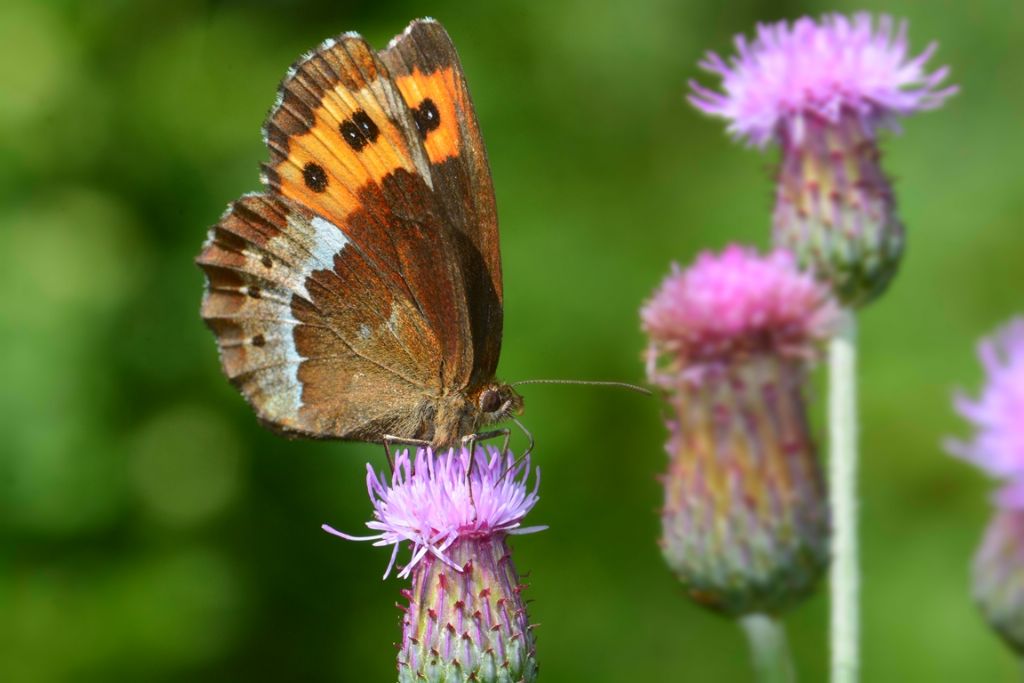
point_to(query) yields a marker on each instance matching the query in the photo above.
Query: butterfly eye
(490, 401)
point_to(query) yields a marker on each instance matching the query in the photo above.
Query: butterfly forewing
(341, 144)
(426, 69)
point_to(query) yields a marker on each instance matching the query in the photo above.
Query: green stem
(769, 649)
(845, 579)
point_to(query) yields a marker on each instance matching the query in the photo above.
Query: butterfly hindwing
(311, 336)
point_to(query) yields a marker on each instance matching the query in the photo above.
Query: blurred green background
(151, 530)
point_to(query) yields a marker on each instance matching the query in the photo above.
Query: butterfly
(359, 296)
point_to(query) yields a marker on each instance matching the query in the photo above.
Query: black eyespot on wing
(353, 136)
(259, 340)
(359, 130)
(427, 117)
(315, 177)
(366, 125)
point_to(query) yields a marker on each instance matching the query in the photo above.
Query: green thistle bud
(745, 523)
(470, 625)
(835, 208)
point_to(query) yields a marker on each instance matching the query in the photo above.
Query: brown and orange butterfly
(359, 296)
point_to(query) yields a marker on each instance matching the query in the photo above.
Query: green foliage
(151, 530)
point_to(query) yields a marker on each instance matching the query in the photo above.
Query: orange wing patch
(337, 129)
(325, 171)
(433, 99)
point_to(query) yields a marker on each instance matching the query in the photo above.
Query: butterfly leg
(526, 453)
(519, 460)
(470, 440)
(390, 440)
(469, 443)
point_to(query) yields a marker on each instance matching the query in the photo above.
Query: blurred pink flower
(745, 521)
(737, 303)
(998, 414)
(820, 69)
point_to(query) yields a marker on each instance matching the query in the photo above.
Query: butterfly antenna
(585, 382)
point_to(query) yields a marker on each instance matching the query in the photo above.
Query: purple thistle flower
(998, 414)
(820, 70)
(998, 448)
(466, 618)
(822, 90)
(745, 521)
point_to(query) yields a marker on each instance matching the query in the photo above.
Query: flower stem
(845, 579)
(769, 649)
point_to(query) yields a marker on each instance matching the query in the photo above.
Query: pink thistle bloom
(465, 616)
(998, 414)
(429, 502)
(734, 304)
(820, 70)
(745, 521)
(821, 90)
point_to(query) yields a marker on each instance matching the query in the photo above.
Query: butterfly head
(498, 402)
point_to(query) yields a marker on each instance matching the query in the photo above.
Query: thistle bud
(470, 624)
(835, 208)
(745, 521)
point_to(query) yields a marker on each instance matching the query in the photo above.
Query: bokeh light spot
(186, 465)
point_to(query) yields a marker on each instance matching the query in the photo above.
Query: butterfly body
(360, 295)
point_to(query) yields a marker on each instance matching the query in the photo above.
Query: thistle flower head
(820, 69)
(733, 304)
(998, 443)
(745, 521)
(433, 500)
